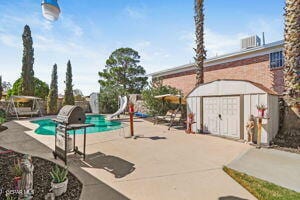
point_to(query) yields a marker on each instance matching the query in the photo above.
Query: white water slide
(123, 105)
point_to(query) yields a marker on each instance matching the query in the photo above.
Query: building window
(276, 59)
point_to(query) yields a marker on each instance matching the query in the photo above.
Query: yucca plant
(59, 175)
(16, 169)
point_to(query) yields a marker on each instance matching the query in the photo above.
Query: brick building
(257, 63)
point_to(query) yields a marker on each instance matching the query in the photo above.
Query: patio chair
(176, 119)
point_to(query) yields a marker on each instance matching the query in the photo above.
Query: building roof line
(224, 56)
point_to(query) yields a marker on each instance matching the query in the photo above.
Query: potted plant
(17, 172)
(261, 110)
(59, 180)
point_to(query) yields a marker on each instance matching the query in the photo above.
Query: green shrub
(41, 89)
(108, 100)
(8, 197)
(59, 175)
(2, 116)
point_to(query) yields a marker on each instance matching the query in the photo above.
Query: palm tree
(200, 51)
(289, 133)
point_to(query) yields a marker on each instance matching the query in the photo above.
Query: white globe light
(50, 9)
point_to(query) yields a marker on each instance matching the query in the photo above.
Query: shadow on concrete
(112, 164)
(128, 120)
(2, 128)
(231, 198)
(151, 138)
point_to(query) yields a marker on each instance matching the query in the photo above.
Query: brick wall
(185, 82)
(254, 69)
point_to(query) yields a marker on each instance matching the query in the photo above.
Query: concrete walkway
(159, 164)
(14, 138)
(279, 167)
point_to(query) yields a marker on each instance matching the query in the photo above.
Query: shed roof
(230, 87)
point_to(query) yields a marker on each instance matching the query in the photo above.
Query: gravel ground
(41, 178)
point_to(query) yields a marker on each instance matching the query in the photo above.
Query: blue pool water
(47, 126)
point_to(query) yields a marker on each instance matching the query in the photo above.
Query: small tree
(69, 97)
(27, 75)
(157, 106)
(53, 94)
(1, 88)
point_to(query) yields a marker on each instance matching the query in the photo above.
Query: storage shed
(223, 107)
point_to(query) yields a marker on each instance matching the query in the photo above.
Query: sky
(162, 31)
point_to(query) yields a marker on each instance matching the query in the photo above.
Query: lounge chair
(168, 117)
(141, 115)
(177, 118)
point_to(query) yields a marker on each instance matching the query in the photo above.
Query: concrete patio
(157, 164)
(279, 167)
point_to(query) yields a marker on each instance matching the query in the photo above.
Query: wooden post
(259, 127)
(84, 143)
(131, 112)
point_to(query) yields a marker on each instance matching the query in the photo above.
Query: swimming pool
(47, 126)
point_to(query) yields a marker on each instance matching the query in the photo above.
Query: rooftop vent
(250, 42)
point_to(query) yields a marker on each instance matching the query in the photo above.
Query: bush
(2, 116)
(157, 106)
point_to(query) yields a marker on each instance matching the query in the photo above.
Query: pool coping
(118, 126)
(48, 140)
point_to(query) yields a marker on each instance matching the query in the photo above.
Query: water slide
(123, 105)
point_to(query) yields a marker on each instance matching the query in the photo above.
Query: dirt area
(41, 177)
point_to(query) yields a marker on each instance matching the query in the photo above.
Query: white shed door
(221, 115)
(210, 115)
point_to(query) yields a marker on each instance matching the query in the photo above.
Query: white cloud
(135, 12)
(273, 28)
(69, 24)
(215, 43)
(218, 44)
(9, 40)
(47, 25)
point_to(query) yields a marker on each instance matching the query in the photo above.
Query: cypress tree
(53, 93)
(27, 75)
(1, 87)
(69, 97)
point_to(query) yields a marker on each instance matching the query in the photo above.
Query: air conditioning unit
(250, 42)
